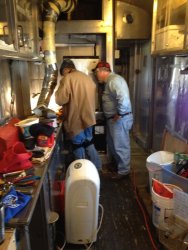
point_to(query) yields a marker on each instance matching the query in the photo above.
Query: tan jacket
(76, 93)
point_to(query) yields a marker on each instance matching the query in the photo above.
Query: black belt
(121, 115)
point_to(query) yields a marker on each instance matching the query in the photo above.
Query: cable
(64, 244)
(96, 232)
(100, 223)
(143, 211)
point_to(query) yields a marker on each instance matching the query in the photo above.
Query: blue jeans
(118, 141)
(89, 152)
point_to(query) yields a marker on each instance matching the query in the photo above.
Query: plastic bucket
(170, 176)
(163, 208)
(155, 162)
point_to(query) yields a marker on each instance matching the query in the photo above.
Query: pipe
(52, 9)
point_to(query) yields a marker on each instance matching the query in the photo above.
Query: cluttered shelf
(33, 221)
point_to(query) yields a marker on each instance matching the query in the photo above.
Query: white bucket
(163, 208)
(155, 162)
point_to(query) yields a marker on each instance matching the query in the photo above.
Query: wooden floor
(123, 226)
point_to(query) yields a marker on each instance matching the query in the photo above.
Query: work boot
(111, 167)
(118, 177)
(105, 173)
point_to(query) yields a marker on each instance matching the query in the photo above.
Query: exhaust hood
(75, 40)
(130, 20)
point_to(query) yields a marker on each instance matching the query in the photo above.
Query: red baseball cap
(102, 64)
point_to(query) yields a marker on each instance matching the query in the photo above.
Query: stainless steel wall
(140, 84)
(131, 22)
(170, 98)
(5, 90)
(18, 81)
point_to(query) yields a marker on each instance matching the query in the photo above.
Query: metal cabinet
(6, 27)
(169, 31)
(19, 29)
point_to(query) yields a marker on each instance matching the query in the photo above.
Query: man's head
(66, 67)
(102, 70)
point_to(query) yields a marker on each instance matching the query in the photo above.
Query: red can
(45, 141)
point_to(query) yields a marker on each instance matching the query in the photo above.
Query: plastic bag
(14, 202)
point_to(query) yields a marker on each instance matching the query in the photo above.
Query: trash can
(155, 162)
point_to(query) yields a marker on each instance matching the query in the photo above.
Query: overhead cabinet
(18, 29)
(169, 31)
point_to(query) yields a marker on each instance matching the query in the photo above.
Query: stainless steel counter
(33, 223)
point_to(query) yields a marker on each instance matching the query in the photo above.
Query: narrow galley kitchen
(55, 192)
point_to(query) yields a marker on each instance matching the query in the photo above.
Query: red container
(9, 135)
(59, 196)
(45, 141)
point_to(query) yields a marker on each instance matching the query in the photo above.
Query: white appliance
(82, 187)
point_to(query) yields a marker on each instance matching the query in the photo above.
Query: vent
(85, 10)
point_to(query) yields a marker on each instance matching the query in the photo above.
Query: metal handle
(5, 28)
(20, 36)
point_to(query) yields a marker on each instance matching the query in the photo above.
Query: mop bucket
(163, 208)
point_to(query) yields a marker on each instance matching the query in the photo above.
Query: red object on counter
(15, 158)
(9, 135)
(45, 141)
(184, 173)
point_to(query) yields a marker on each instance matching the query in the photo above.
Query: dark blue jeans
(89, 152)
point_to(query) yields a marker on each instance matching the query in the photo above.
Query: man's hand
(116, 117)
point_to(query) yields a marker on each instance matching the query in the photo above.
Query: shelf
(5, 46)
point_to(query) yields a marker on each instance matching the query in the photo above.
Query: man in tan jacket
(76, 93)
